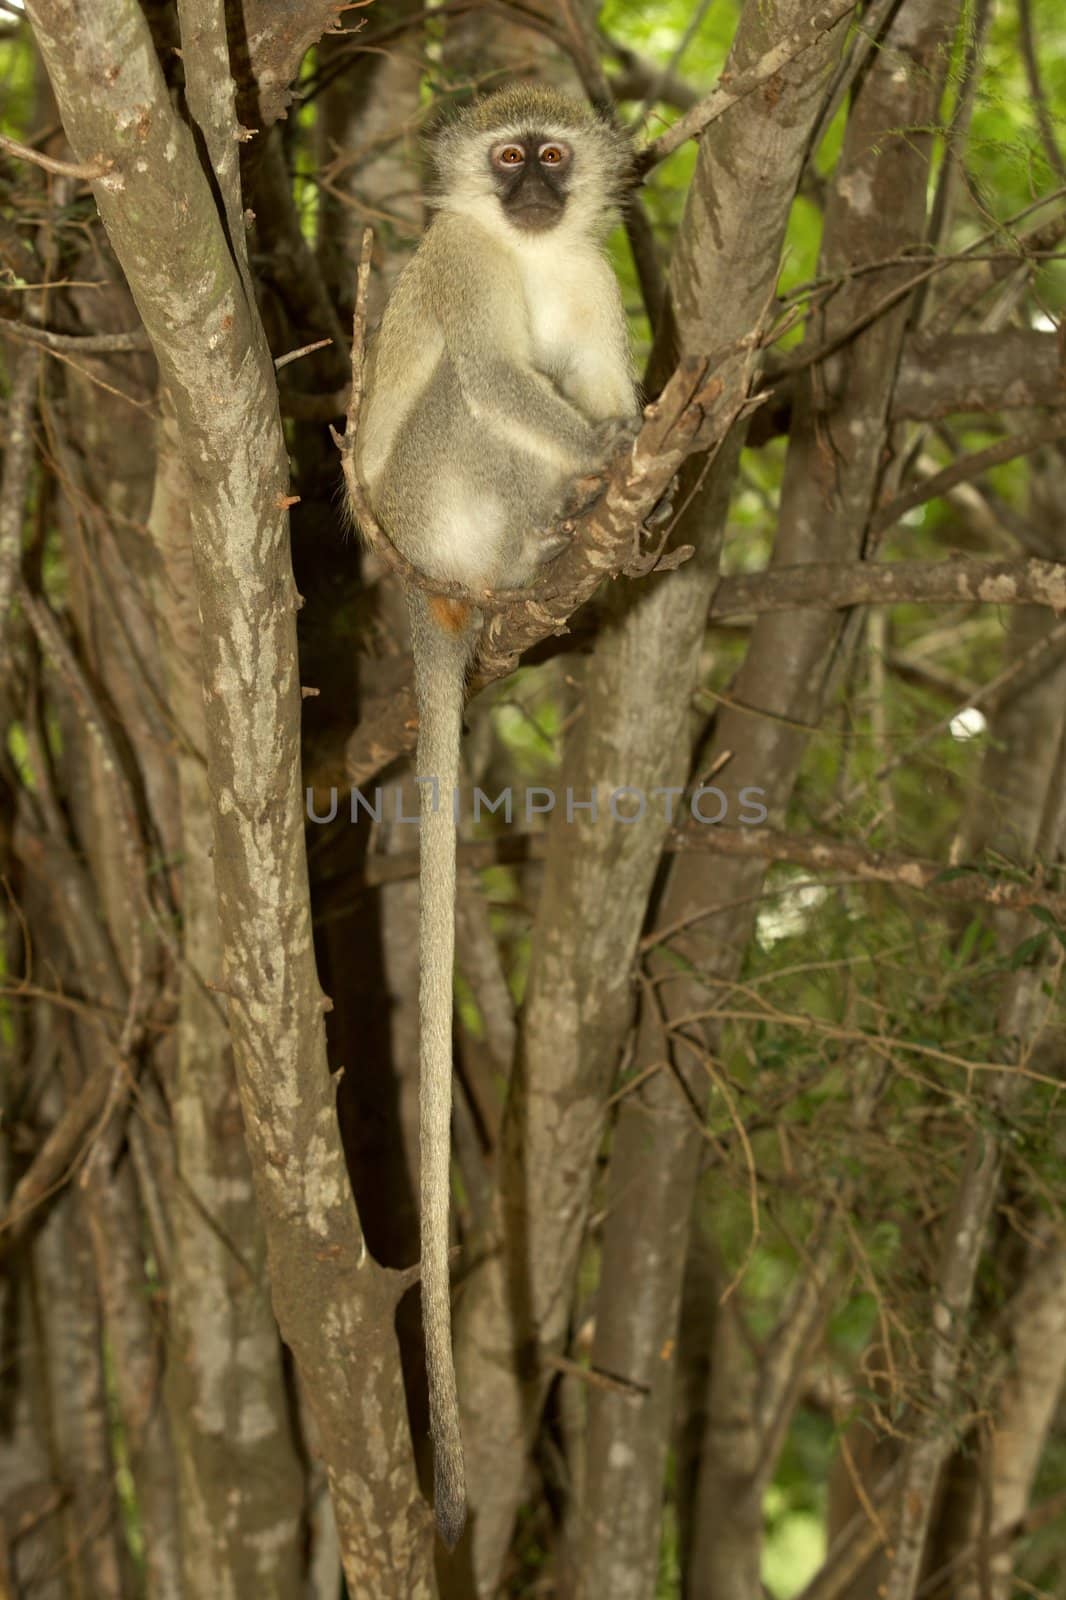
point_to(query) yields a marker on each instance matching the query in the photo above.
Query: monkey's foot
(582, 493)
(552, 542)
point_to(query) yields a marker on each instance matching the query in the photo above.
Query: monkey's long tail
(441, 658)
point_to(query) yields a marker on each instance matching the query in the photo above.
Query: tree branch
(965, 884)
(731, 89)
(1009, 370)
(62, 169)
(89, 344)
(18, 464)
(1036, 91)
(823, 586)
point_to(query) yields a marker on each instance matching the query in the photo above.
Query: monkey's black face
(530, 174)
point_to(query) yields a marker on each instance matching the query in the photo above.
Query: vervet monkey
(501, 373)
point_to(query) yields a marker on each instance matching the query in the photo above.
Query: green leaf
(1027, 952)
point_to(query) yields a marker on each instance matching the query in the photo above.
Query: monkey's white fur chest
(575, 323)
(565, 302)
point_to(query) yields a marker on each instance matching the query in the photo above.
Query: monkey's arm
(486, 338)
(599, 375)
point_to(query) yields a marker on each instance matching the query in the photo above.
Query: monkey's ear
(445, 111)
(442, 127)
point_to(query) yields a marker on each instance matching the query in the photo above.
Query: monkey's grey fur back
(501, 372)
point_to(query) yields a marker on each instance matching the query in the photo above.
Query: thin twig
(732, 88)
(966, 467)
(1036, 91)
(63, 169)
(57, 1157)
(806, 356)
(296, 355)
(89, 344)
(597, 1379)
(18, 465)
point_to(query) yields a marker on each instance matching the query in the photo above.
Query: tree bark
(833, 469)
(726, 255)
(187, 281)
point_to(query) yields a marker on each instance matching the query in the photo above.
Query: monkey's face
(526, 163)
(530, 176)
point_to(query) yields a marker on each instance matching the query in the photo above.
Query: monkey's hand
(582, 493)
(613, 432)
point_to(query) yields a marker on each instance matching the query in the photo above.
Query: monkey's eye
(553, 155)
(509, 155)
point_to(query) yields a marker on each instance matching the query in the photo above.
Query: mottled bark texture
(241, 1478)
(333, 1304)
(1010, 583)
(876, 207)
(18, 459)
(724, 266)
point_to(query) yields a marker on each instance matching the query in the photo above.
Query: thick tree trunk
(193, 298)
(876, 208)
(241, 1478)
(725, 261)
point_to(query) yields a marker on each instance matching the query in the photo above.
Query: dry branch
(731, 89)
(968, 467)
(825, 587)
(1009, 370)
(52, 1163)
(825, 855)
(88, 344)
(18, 462)
(964, 884)
(62, 169)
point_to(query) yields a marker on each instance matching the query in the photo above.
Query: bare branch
(18, 463)
(965, 884)
(824, 586)
(639, 77)
(731, 89)
(88, 344)
(1036, 91)
(967, 467)
(808, 354)
(858, 1542)
(827, 855)
(1009, 370)
(298, 355)
(98, 168)
(52, 1164)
